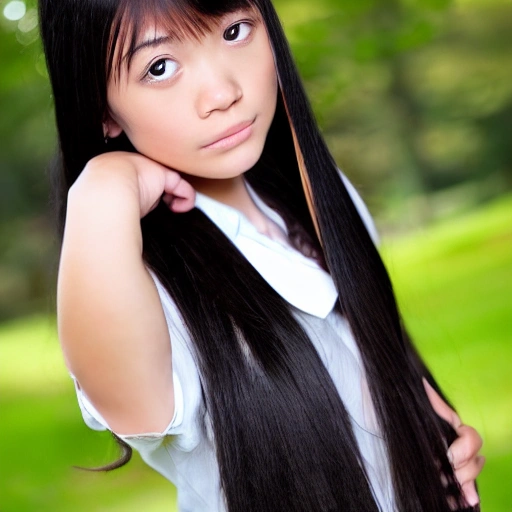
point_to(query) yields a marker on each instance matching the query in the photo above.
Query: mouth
(231, 137)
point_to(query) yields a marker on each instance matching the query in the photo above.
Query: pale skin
(204, 109)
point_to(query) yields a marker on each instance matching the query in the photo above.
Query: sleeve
(362, 209)
(94, 420)
(146, 444)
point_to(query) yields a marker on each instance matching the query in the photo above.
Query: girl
(250, 348)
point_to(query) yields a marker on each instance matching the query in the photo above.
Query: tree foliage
(414, 97)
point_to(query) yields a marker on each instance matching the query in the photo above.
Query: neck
(232, 192)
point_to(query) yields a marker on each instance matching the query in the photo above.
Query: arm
(463, 452)
(111, 324)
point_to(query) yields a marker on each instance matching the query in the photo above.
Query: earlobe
(111, 128)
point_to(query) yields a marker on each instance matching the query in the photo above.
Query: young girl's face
(202, 106)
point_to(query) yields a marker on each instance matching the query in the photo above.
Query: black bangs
(181, 19)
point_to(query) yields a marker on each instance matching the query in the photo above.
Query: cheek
(269, 83)
(272, 77)
(154, 121)
(268, 73)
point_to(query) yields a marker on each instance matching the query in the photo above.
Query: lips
(232, 136)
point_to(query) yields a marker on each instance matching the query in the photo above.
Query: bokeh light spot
(29, 21)
(15, 10)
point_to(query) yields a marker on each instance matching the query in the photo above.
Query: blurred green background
(415, 100)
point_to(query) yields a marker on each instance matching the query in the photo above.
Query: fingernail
(449, 454)
(472, 497)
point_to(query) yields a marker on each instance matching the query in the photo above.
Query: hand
(463, 453)
(149, 180)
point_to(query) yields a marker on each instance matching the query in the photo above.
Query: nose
(218, 89)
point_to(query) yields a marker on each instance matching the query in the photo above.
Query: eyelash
(239, 24)
(249, 24)
(153, 79)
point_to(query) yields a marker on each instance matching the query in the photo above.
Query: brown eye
(158, 68)
(232, 32)
(238, 32)
(161, 70)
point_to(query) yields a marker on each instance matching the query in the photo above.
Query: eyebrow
(149, 43)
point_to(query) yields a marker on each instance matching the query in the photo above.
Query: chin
(245, 160)
(231, 166)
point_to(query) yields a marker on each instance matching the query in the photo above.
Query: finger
(167, 199)
(171, 180)
(179, 195)
(441, 408)
(185, 202)
(468, 473)
(470, 494)
(178, 204)
(466, 477)
(465, 447)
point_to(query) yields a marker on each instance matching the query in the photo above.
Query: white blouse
(184, 453)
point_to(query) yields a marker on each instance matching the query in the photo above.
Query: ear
(111, 127)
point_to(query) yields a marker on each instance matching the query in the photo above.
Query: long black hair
(282, 434)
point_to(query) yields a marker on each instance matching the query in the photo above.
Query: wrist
(107, 182)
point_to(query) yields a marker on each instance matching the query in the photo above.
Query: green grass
(42, 437)
(454, 284)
